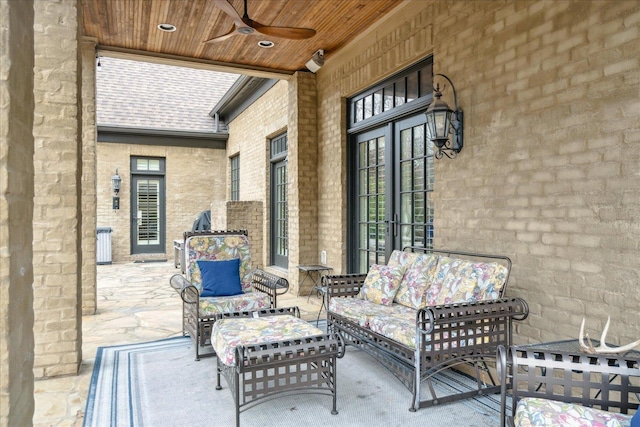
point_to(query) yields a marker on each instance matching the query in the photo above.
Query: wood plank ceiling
(131, 26)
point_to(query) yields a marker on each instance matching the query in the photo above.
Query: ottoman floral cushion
(227, 334)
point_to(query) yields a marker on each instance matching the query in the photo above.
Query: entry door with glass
(393, 184)
(147, 205)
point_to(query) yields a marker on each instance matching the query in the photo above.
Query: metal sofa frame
(199, 327)
(460, 334)
(604, 381)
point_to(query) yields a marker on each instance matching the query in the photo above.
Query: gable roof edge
(244, 92)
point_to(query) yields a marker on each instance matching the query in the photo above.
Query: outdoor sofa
(552, 387)
(259, 289)
(426, 311)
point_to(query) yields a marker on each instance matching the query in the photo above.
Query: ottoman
(273, 352)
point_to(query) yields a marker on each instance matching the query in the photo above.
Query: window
(391, 171)
(397, 91)
(235, 177)
(279, 202)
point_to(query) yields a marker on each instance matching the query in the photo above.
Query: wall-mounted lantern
(443, 123)
(115, 182)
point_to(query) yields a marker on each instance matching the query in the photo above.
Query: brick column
(57, 219)
(303, 175)
(16, 210)
(88, 193)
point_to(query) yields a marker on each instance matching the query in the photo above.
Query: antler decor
(603, 347)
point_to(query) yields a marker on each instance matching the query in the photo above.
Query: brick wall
(249, 136)
(289, 106)
(303, 177)
(550, 170)
(88, 196)
(16, 212)
(192, 181)
(57, 255)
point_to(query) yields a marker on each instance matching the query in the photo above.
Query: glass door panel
(147, 228)
(372, 224)
(281, 215)
(414, 185)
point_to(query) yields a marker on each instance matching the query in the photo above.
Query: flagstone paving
(135, 304)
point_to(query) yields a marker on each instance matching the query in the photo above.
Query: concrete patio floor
(135, 304)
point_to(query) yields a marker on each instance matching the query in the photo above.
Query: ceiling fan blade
(227, 8)
(284, 32)
(222, 37)
(245, 25)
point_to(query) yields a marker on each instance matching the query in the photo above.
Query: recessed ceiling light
(266, 44)
(169, 28)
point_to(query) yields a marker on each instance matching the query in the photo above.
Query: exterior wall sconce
(115, 182)
(443, 121)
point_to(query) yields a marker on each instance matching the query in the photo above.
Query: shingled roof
(145, 95)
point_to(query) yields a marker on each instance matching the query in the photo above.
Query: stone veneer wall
(16, 212)
(550, 171)
(57, 256)
(241, 215)
(192, 181)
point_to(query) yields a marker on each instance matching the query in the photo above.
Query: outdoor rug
(159, 383)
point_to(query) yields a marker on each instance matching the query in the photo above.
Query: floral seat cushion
(400, 327)
(355, 309)
(250, 301)
(227, 334)
(532, 411)
(396, 322)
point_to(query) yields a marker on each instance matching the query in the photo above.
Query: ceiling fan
(244, 25)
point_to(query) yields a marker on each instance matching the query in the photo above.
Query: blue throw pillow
(220, 278)
(635, 420)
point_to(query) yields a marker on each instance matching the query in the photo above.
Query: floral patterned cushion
(398, 327)
(417, 279)
(361, 311)
(396, 322)
(465, 281)
(353, 309)
(381, 284)
(227, 334)
(250, 301)
(533, 411)
(402, 259)
(220, 247)
(403, 330)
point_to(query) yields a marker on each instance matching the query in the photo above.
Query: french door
(147, 206)
(279, 202)
(392, 175)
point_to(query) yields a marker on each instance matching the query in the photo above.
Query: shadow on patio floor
(135, 304)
